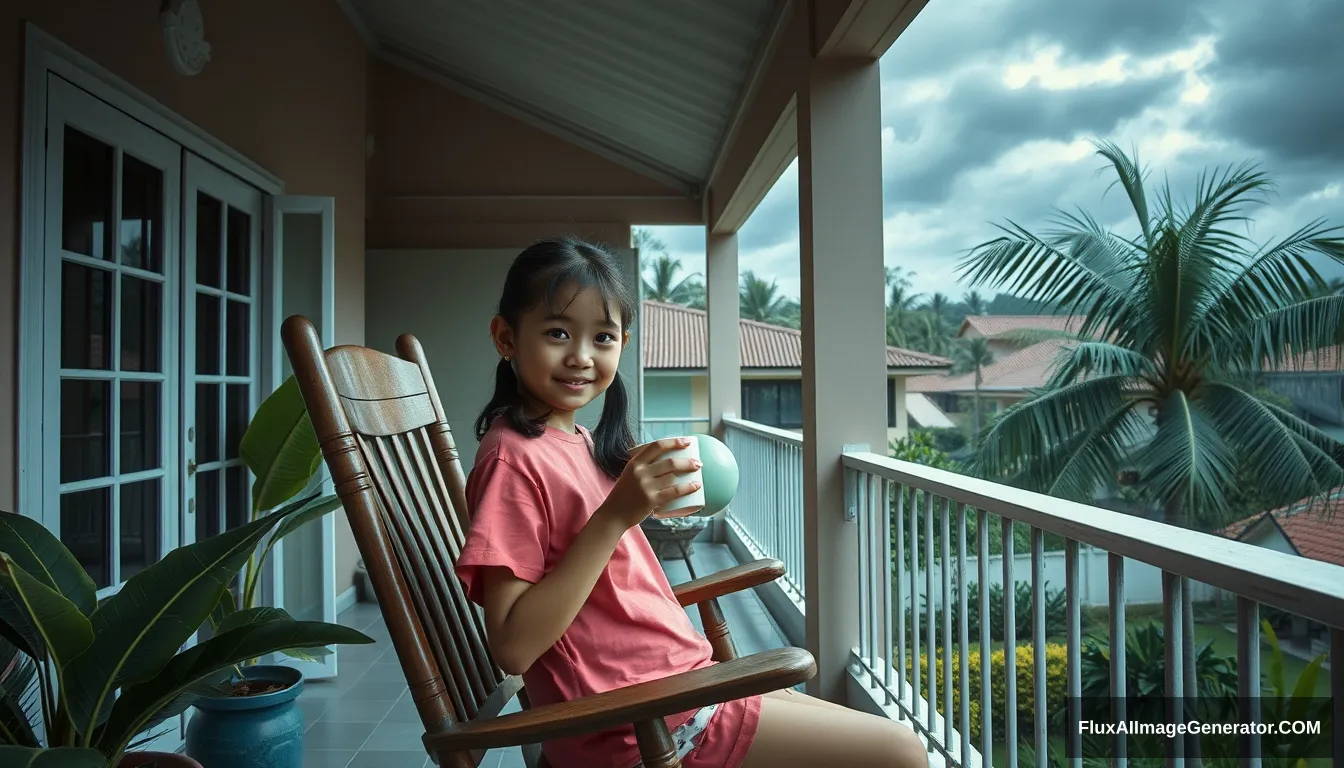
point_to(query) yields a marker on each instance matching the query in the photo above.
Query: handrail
(1309, 588)
(774, 433)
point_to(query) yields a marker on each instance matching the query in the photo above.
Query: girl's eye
(606, 338)
(558, 333)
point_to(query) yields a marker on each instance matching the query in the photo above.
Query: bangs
(557, 288)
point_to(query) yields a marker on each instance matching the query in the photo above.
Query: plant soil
(255, 687)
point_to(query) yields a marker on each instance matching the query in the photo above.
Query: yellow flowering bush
(1056, 661)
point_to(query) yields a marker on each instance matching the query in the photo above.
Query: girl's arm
(523, 620)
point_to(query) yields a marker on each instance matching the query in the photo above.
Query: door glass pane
(239, 338)
(86, 317)
(86, 423)
(86, 195)
(141, 324)
(240, 252)
(141, 431)
(303, 576)
(209, 228)
(141, 215)
(86, 518)
(791, 403)
(235, 418)
(207, 334)
(207, 423)
(237, 496)
(140, 521)
(208, 517)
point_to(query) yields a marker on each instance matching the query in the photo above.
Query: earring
(506, 358)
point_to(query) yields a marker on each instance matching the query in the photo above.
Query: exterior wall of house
(669, 397)
(1269, 536)
(700, 396)
(286, 87)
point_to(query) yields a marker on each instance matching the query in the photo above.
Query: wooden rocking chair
(395, 466)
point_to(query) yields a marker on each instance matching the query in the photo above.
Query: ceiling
(654, 85)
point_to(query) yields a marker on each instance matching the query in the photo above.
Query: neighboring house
(1019, 364)
(1315, 384)
(1310, 528)
(676, 390)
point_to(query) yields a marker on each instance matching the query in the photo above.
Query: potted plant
(254, 714)
(83, 680)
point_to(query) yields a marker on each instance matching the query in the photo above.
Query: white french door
(301, 268)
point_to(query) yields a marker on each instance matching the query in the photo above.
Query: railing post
(724, 344)
(843, 321)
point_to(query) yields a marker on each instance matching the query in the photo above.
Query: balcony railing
(767, 513)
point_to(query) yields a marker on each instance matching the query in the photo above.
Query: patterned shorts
(685, 736)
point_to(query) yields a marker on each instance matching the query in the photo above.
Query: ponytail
(614, 439)
(507, 402)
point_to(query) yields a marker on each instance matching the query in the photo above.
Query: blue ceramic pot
(262, 731)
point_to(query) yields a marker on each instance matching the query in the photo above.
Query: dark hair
(537, 276)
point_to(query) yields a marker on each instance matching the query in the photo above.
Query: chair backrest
(395, 466)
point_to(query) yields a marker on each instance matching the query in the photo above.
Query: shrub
(1056, 614)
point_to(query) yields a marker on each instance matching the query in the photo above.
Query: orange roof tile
(674, 336)
(1024, 369)
(991, 326)
(1317, 361)
(1309, 524)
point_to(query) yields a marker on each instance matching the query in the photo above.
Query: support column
(721, 295)
(844, 338)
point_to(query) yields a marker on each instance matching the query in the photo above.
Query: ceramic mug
(691, 503)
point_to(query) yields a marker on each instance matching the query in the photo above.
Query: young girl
(575, 600)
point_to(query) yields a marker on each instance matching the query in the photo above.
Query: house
(676, 392)
(1314, 382)
(1020, 362)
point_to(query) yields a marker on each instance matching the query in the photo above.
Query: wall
(667, 396)
(446, 298)
(286, 87)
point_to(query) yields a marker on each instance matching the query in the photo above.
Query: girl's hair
(537, 276)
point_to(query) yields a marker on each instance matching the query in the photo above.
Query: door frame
(45, 55)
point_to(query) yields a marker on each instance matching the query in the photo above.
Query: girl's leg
(789, 694)
(792, 734)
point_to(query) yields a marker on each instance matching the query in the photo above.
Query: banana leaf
(18, 695)
(280, 447)
(37, 551)
(65, 757)
(140, 628)
(138, 703)
(265, 613)
(47, 619)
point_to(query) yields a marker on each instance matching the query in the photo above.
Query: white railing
(905, 513)
(656, 428)
(767, 512)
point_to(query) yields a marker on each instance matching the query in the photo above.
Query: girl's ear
(502, 335)
(625, 339)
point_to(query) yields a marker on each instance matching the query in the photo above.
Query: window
(891, 403)
(775, 403)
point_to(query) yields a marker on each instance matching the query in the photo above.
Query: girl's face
(564, 360)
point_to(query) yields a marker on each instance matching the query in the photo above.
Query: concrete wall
(446, 298)
(286, 87)
(668, 396)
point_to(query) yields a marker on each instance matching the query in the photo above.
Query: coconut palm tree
(664, 284)
(1180, 317)
(973, 354)
(902, 305)
(975, 303)
(762, 302)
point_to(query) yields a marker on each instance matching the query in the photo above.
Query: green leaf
(296, 519)
(17, 696)
(44, 557)
(157, 610)
(57, 624)
(140, 701)
(228, 603)
(264, 614)
(280, 447)
(64, 757)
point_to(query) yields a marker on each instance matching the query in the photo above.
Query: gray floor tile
(312, 709)
(512, 758)
(326, 758)
(372, 690)
(350, 710)
(383, 759)
(393, 737)
(384, 672)
(404, 711)
(340, 736)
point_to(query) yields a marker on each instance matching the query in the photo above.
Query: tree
(762, 302)
(975, 303)
(901, 307)
(1180, 318)
(973, 354)
(662, 281)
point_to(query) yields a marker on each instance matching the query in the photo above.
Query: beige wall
(700, 397)
(446, 297)
(286, 87)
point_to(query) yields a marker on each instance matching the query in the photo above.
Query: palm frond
(1129, 175)
(1188, 458)
(1288, 333)
(1293, 460)
(1077, 467)
(1099, 358)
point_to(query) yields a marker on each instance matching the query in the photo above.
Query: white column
(844, 339)
(725, 367)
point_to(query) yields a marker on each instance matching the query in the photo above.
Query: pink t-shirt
(529, 498)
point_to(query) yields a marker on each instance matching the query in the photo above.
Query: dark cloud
(1275, 80)
(981, 119)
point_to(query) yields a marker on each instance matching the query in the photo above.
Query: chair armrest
(728, 581)
(730, 680)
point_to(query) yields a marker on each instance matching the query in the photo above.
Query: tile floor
(364, 717)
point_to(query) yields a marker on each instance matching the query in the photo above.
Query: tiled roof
(1313, 526)
(1027, 368)
(674, 336)
(1325, 359)
(990, 326)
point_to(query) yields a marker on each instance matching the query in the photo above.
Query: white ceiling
(652, 84)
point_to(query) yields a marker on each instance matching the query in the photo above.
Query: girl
(575, 600)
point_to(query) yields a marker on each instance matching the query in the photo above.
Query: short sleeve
(509, 526)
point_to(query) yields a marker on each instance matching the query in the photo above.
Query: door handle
(191, 467)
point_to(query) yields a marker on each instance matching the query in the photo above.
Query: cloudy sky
(988, 107)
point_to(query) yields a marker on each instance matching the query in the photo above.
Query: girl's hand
(649, 482)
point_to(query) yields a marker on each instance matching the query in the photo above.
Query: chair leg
(532, 757)
(716, 631)
(656, 749)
